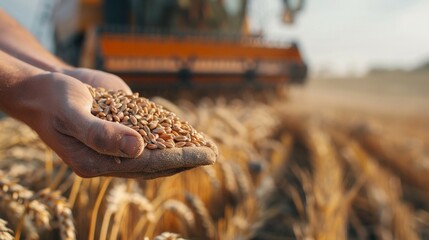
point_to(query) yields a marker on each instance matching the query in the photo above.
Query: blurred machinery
(185, 44)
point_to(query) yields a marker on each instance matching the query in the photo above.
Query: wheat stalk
(24, 206)
(211, 174)
(181, 210)
(58, 205)
(384, 193)
(400, 164)
(203, 219)
(303, 185)
(5, 232)
(105, 185)
(243, 183)
(229, 180)
(119, 197)
(330, 217)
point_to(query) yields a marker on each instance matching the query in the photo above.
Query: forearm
(21, 44)
(12, 73)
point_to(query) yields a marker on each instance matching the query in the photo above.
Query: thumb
(109, 138)
(112, 138)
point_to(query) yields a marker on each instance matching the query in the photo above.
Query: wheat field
(282, 174)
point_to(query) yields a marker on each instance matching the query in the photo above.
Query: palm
(60, 114)
(58, 106)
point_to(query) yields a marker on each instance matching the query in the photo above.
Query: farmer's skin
(52, 98)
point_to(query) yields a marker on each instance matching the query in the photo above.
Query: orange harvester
(193, 43)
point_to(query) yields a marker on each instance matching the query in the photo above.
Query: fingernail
(130, 145)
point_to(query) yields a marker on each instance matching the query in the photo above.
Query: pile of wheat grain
(281, 175)
(159, 127)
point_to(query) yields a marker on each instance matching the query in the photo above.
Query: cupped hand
(57, 107)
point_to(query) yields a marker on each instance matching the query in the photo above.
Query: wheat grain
(329, 220)
(206, 228)
(147, 118)
(168, 236)
(143, 204)
(118, 198)
(59, 206)
(182, 210)
(5, 232)
(13, 192)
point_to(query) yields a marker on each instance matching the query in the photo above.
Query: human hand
(58, 107)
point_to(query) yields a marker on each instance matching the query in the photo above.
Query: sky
(344, 37)
(339, 37)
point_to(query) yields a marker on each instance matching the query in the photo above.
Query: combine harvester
(188, 44)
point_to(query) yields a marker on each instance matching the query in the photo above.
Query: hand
(58, 107)
(150, 164)
(97, 78)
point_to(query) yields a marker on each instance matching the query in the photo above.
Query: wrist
(13, 74)
(18, 98)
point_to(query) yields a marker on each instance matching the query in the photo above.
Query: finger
(148, 176)
(110, 138)
(98, 78)
(159, 163)
(88, 163)
(152, 164)
(84, 161)
(152, 161)
(75, 119)
(110, 81)
(104, 137)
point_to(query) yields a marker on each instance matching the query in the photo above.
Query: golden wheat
(5, 232)
(58, 205)
(281, 175)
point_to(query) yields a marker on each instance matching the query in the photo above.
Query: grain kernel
(180, 144)
(180, 139)
(151, 146)
(133, 120)
(160, 145)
